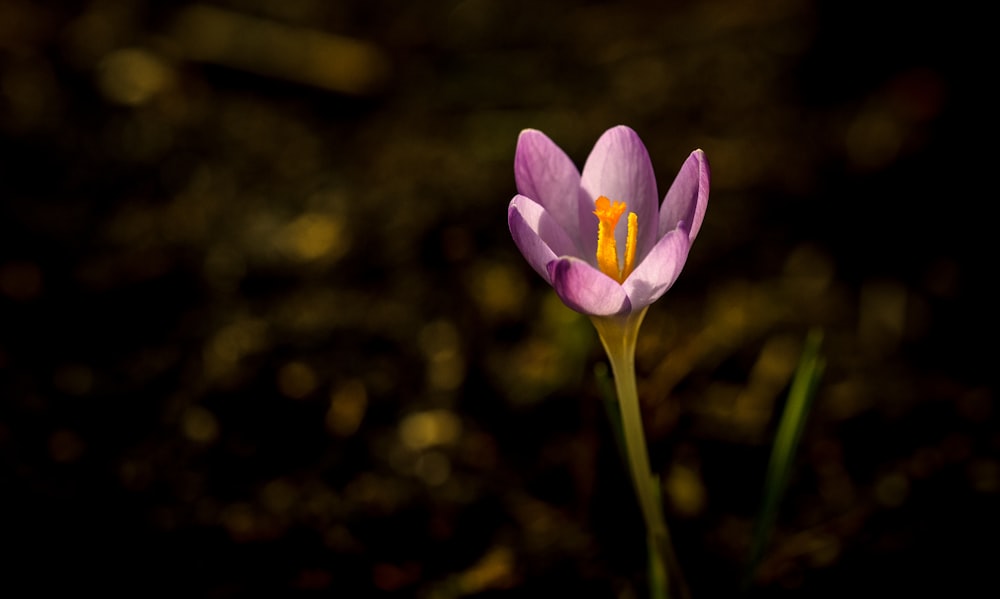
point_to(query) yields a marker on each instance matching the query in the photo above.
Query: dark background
(263, 329)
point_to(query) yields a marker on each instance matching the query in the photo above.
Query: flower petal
(544, 173)
(537, 234)
(660, 269)
(619, 168)
(687, 198)
(586, 289)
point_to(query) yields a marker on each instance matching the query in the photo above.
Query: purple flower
(566, 223)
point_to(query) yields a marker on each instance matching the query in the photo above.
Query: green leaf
(805, 384)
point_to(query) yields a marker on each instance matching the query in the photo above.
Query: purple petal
(659, 270)
(538, 236)
(544, 173)
(586, 289)
(619, 168)
(687, 198)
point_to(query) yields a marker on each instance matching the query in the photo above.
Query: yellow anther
(630, 242)
(608, 213)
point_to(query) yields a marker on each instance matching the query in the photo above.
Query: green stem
(619, 335)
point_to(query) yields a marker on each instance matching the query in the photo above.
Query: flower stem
(618, 335)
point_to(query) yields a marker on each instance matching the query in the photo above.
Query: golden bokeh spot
(686, 491)
(348, 403)
(308, 56)
(874, 139)
(439, 337)
(339, 539)
(239, 519)
(808, 271)
(891, 490)
(439, 341)
(74, 379)
(133, 76)
(278, 496)
(199, 425)
(296, 380)
(422, 430)
(30, 91)
(20, 281)
(313, 236)
(499, 290)
(446, 372)
(984, 475)
(537, 362)
(882, 315)
(495, 570)
(135, 475)
(230, 344)
(433, 467)
(379, 495)
(65, 446)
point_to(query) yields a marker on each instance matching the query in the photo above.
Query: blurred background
(263, 329)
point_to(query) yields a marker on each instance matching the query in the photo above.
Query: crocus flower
(566, 223)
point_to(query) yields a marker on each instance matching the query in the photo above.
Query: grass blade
(800, 398)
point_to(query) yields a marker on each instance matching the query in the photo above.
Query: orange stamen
(608, 213)
(630, 243)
